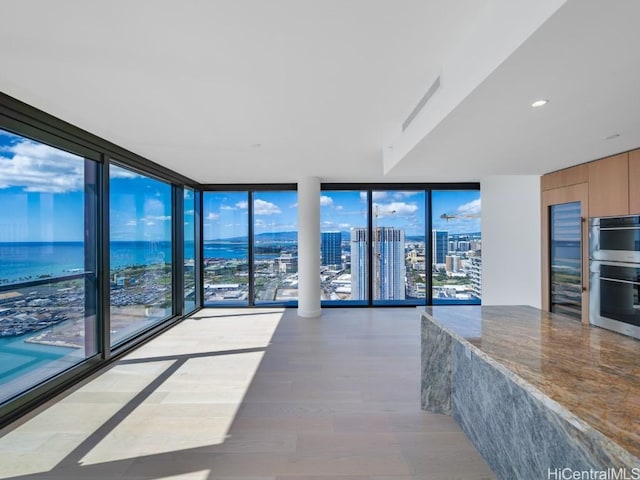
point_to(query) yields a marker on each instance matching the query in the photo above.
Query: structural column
(309, 247)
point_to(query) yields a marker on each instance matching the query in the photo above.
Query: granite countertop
(591, 372)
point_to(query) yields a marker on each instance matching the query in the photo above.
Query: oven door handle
(637, 227)
(609, 279)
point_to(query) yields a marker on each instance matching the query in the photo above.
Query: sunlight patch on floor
(180, 391)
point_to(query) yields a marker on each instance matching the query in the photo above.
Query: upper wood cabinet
(634, 182)
(565, 178)
(609, 186)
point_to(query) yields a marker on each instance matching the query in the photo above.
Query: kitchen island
(536, 392)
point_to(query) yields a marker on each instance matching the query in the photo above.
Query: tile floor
(255, 394)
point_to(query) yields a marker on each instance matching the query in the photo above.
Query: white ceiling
(585, 60)
(270, 91)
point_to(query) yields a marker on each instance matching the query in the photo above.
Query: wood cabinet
(634, 182)
(606, 187)
(609, 186)
(565, 178)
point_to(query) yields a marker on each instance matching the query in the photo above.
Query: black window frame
(428, 188)
(251, 190)
(24, 120)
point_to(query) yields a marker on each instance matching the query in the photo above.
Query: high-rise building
(287, 263)
(331, 248)
(440, 245)
(475, 273)
(452, 263)
(358, 263)
(388, 263)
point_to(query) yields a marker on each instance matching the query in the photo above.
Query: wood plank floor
(253, 394)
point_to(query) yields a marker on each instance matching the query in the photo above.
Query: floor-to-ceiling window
(374, 242)
(398, 243)
(189, 269)
(140, 216)
(89, 233)
(275, 247)
(226, 248)
(344, 246)
(47, 262)
(250, 247)
(456, 246)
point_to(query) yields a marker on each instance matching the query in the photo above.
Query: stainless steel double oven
(614, 265)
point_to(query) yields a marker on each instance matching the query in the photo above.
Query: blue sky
(402, 209)
(140, 207)
(225, 213)
(464, 204)
(41, 199)
(41, 192)
(391, 208)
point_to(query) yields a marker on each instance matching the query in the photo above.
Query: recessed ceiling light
(539, 103)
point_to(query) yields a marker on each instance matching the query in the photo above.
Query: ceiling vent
(423, 101)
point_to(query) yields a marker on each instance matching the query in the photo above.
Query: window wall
(275, 247)
(456, 246)
(86, 253)
(190, 270)
(226, 248)
(398, 242)
(250, 247)
(374, 243)
(89, 234)
(47, 262)
(140, 252)
(344, 246)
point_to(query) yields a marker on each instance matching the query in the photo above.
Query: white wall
(511, 240)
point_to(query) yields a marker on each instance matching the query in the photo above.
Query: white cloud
(401, 209)
(328, 224)
(344, 225)
(262, 207)
(242, 205)
(294, 205)
(339, 208)
(213, 216)
(378, 195)
(325, 201)
(154, 208)
(150, 223)
(119, 172)
(160, 218)
(131, 223)
(474, 207)
(227, 207)
(374, 195)
(401, 195)
(40, 168)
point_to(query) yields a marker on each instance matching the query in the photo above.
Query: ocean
(21, 261)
